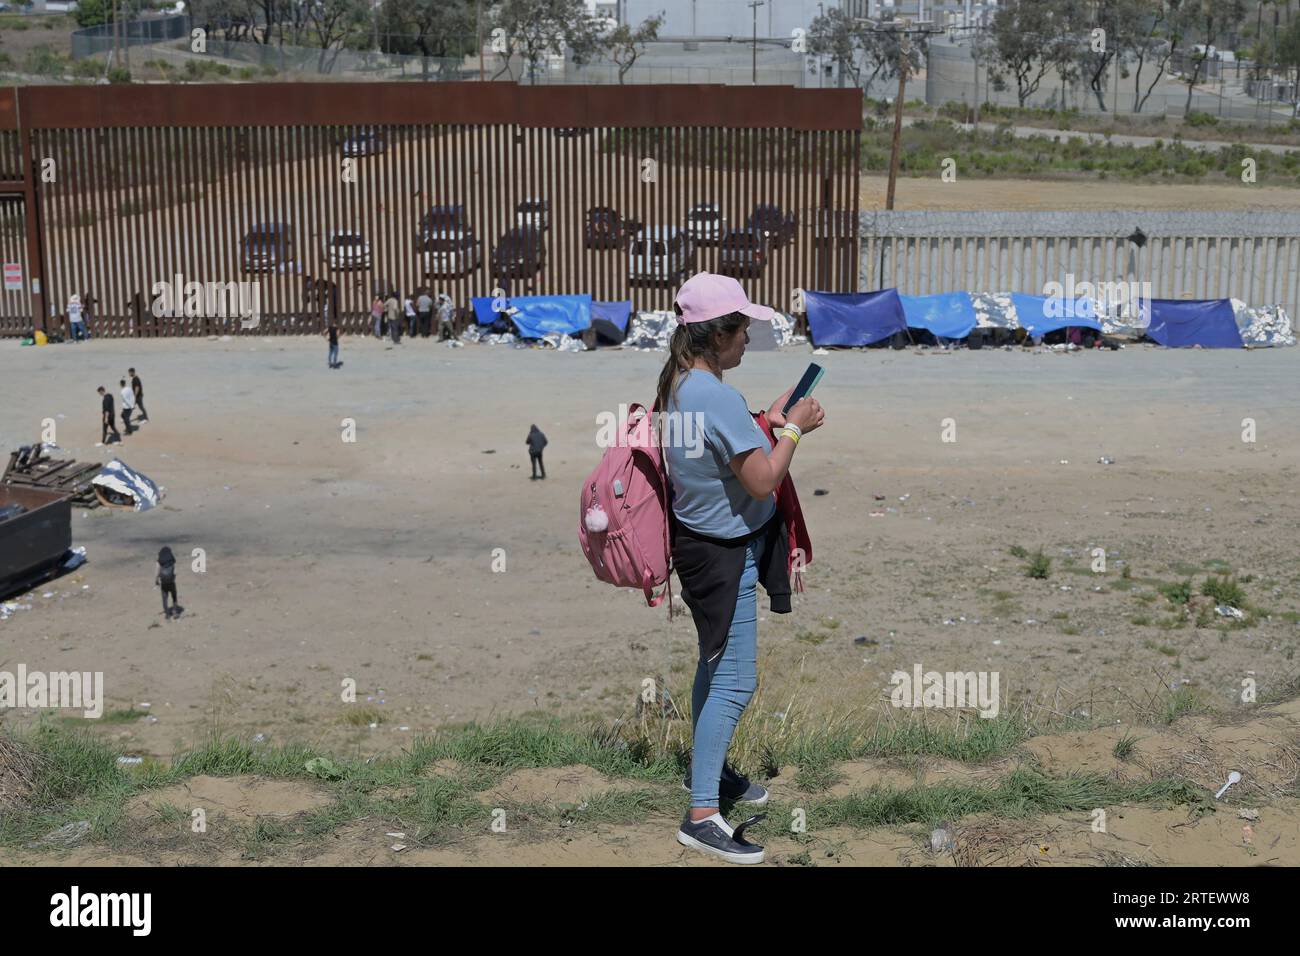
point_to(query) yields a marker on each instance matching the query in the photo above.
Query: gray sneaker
(734, 787)
(712, 839)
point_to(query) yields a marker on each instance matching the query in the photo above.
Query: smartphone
(811, 377)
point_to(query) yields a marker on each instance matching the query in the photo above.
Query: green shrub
(1179, 593)
(1040, 566)
(1224, 590)
(1194, 118)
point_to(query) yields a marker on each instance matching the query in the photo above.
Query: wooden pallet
(68, 476)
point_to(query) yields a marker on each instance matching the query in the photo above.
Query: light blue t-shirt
(711, 426)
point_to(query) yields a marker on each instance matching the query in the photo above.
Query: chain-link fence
(1229, 91)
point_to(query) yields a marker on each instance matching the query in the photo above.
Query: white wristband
(794, 428)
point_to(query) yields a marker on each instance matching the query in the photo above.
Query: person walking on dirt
(128, 405)
(108, 432)
(536, 441)
(731, 531)
(165, 578)
(137, 389)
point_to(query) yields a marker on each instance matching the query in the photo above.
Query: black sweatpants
(536, 457)
(109, 429)
(169, 587)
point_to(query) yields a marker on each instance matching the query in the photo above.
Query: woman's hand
(775, 417)
(807, 414)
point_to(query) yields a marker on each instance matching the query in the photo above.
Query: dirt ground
(373, 560)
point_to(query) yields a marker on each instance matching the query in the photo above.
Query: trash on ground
(1233, 777)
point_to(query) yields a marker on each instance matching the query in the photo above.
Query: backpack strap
(667, 501)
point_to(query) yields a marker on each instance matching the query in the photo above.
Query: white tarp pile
(1262, 326)
(479, 334)
(121, 480)
(783, 331)
(650, 330)
(994, 310)
(562, 343)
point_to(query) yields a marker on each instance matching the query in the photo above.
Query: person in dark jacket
(536, 441)
(137, 387)
(165, 578)
(728, 535)
(108, 431)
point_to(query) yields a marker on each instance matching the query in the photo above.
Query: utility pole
(754, 5)
(905, 49)
(903, 29)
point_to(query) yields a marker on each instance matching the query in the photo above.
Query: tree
(533, 29)
(863, 54)
(1158, 38)
(1288, 56)
(433, 28)
(331, 22)
(624, 45)
(1214, 19)
(1122, 23)
(234, 18)
(1028, 38)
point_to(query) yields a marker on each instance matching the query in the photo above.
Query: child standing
(166, 580)
(536, 441)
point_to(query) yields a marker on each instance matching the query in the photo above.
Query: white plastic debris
(1233, 777)
(1224, 610)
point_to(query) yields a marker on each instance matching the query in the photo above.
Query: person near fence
(393, 313)
(408, 307)
(424, 309)
(128, 405)
(137, 391)
(332, 333)
(108, 432)
(377, 316)
(446, 317)
(76, 320)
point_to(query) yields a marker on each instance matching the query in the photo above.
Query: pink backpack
(623, 513)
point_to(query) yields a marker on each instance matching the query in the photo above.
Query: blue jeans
(334, 354)
(724, 686)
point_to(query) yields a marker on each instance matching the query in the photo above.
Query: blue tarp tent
(615, 313)
(1209, 323)
(853, 318)
(609, 321)
(540, 315)
(1040, 314)
(949, 315)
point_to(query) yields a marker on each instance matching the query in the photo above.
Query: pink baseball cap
(706, 295)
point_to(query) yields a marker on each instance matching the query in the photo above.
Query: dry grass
(19, 768)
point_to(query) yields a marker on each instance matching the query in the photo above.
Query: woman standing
(377, 316)
(729, 534)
